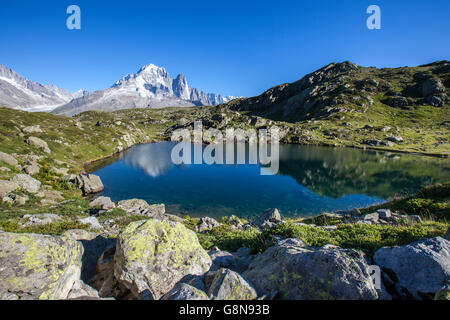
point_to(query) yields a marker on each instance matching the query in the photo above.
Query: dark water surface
(311, 180)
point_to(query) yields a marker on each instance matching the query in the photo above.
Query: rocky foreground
(160, 258)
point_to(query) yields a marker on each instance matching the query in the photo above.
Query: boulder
(38, 266)
(152, 256)
(447, 234)
(142, 208)
(229, 285)
(32, 129)
(293, 271)
(207, 224)
(238, 261)
(395, 139)
(40, 219)
(27, 183)
(269, 216)
(384, 213)
(432, 86)
(89, 184)
(103, 203)
(91, 221)
(6, 187)
(8, 159)
(418, 270)
(185, 292)
(38, 143)
(370, 217)
(32, 169)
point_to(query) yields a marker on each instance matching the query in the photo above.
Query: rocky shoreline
(159, 257)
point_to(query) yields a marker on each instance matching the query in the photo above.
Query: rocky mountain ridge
(150, 87)
(20, 93)
(346, 87)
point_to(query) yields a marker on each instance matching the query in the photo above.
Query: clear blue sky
(234, 47)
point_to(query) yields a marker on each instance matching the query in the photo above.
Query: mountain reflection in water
(311, 180)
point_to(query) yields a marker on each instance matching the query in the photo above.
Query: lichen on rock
(38, 266)
(153, 255)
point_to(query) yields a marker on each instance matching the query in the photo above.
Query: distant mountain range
(20, 93)
(150, 87)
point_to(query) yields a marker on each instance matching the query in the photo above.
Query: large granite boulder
(89, 184)
(418, 270)
(38, 266)
(230, 285)
(293, 271)
(152, 256)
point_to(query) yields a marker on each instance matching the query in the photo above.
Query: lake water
(311, 180)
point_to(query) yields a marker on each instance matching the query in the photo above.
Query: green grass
(367, 238)
(431, 203)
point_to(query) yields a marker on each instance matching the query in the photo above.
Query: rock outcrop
(229, 285)
(38, 266)
(89, 184)
(291, 270)
(152, 256)
(418, 270)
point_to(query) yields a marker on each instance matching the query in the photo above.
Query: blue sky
(233, 47)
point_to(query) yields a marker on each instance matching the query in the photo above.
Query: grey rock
(447, 234)
(229, 285)
(185, 292)
(418, 270)
(371, 217)
(38, 143)
(89, 184)
(92, 221)
(141, 207)
(32, 129)
(80, 290)
(207, 224)
(32, 169)
(8, 159)
(269, 216)
(6, 187)
(432, 86)
(384, 213)
(395, 139)
(397, 102)
(152, 256)
(38, 266)
(104, 203)
(40, 219)
(27, 183)
(293, 271)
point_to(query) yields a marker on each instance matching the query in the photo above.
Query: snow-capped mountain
(150, 87)
(20, 93)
